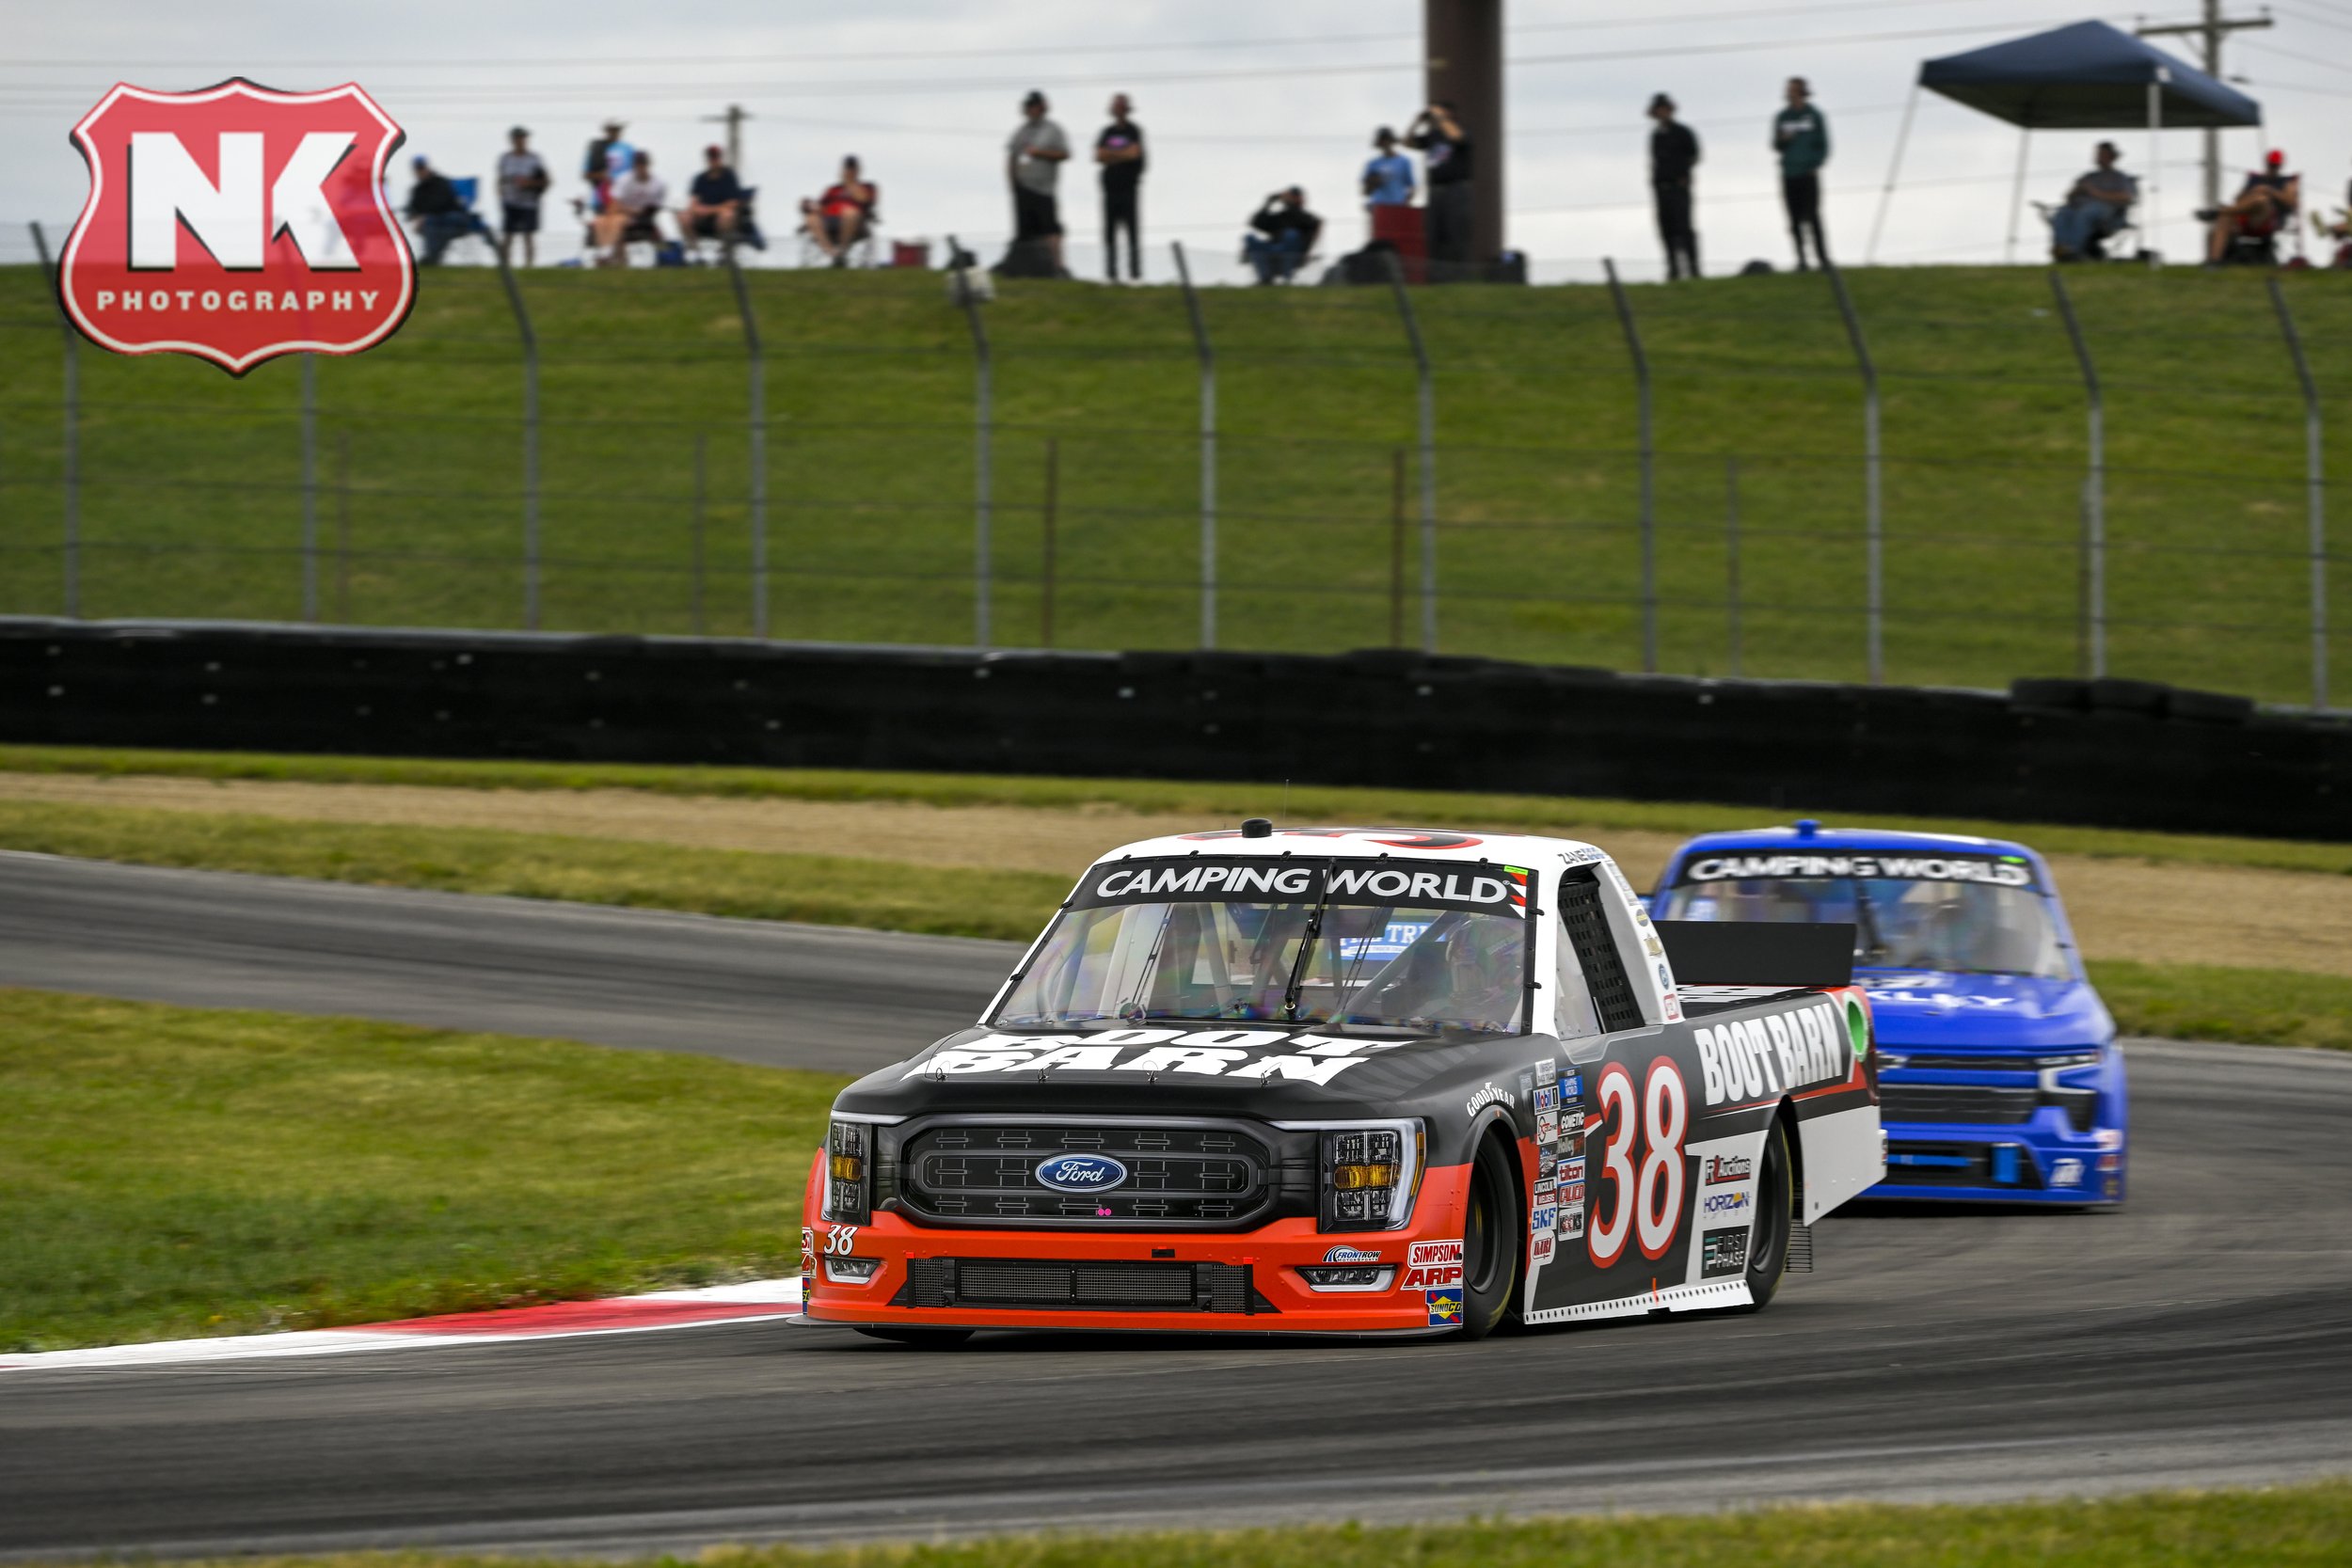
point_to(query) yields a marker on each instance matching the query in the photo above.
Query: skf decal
(1769, 1055)
(237, 224)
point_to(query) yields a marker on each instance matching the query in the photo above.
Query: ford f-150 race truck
(1356, 1081)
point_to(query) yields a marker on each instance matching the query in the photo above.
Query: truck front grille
(1206, 1176)
(941, 1283)
(1972, 1103)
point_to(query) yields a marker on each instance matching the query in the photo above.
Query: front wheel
(1491, 1244)
(1775, 1205)
(918, 1338)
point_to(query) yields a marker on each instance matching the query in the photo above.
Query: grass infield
(169, 1171)
(2284, 1527)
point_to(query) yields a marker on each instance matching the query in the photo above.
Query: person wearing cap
(1033, 160)
(2265, 203)
(1119, 151)
(633, 214)
(521, 180)
(1801, 136)
(2097, 207)
(1388, 174)
(1674, 154)
(442, 219)
(608, 157)
(714, 202)
(841, 217)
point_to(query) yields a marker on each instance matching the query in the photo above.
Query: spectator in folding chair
(439, 214)
(631, 212)
(715, 201)
(2247, 229)
(1285, 236)
(838, 220)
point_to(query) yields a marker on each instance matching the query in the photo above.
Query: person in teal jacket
(1801, 136)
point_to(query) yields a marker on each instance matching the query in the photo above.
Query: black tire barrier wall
(2110, 753)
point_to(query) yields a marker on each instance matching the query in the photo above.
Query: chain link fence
(1932, 476)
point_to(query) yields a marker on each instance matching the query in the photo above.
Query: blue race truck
(1998, 1072)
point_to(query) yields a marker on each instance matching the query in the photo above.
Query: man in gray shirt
(1033, 160)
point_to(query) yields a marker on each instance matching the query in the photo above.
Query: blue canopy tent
(2088, 77)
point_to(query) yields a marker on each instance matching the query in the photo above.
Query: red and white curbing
(752, 1302)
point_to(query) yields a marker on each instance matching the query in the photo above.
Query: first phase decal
(237, 224)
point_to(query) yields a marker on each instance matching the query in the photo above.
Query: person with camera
(1447, 149)
(1284, 235)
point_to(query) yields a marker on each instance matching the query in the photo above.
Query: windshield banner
(1998, 870)
(1475, 889)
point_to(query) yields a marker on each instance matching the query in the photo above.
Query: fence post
(530, 441)
(1874, 531)
(1396, 549)
(310, 487)
(2095, 610)
(1731, 554)
(1208, 448)
(757, 417)
(2314, 486)
(1052, 501)
(343, 527)
(71, 453)
(984, 440)
(1649, 469)
(702, 492)
(1428, 395)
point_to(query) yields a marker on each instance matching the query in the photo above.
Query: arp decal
(1433, 1266)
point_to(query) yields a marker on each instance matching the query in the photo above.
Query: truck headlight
(849, 1173)
(1370, 1176)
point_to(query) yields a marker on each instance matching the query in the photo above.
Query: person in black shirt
(1119, 151)
(1285, 236)
(1438, 134)
(440, 217)
(1674, 152)
(714, 202)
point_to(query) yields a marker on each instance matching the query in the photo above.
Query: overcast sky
(1236, 99)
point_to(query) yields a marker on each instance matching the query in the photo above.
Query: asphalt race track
(2198, 1337)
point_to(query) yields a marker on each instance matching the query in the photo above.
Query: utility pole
(2211, 31)
(737, 114)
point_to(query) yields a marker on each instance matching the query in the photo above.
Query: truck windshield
(1423, 947)
(1957, 926)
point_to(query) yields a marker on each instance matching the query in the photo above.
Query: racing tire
(1493, 1223)
(916, 1339)
(1775, 1217)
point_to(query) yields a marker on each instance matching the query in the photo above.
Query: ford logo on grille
(1081, 1173)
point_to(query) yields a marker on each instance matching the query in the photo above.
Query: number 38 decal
(1643, 1199)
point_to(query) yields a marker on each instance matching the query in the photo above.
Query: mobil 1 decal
(1633, 1174)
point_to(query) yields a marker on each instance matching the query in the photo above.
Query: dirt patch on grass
(2123, 909)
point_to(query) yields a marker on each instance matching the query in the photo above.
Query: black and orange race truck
(1353, 1080)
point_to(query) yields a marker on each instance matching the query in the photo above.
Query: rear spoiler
(1758, 953)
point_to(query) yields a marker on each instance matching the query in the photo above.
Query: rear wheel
(920, 1338)
(1775, 1204)
(1491, 1244)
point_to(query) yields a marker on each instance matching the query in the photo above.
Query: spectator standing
(1388, 174)
(1284, 236)
(607, 159)
(2096, 208)
(637, 199)
(714, 202)
(440, 216)
(1439, 137)
(1119, 151)
(1033, 160)
(1674, 156)
(841, 217)
(522, 179)
(1801, 136)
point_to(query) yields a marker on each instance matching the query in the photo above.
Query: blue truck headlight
(2071, 1083)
